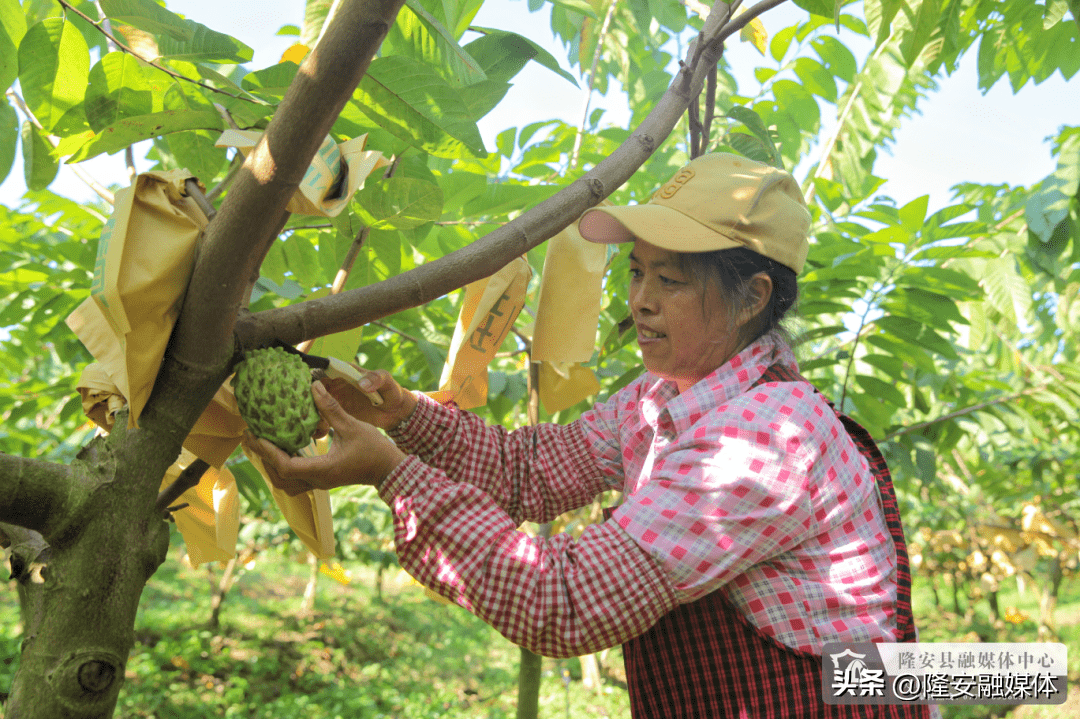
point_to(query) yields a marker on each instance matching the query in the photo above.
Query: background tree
(949, 333)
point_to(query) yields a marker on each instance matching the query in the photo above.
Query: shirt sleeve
(727, 494)
(533, 473)
(558, 597)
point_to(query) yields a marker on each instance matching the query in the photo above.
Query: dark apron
(706, 660)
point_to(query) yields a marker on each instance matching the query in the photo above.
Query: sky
(960, 135)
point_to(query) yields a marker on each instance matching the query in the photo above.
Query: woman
(757, 523)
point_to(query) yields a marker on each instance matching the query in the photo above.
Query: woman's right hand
(398, 403)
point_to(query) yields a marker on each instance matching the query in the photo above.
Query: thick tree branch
(237, 239)
(487, 255)
(33, 493)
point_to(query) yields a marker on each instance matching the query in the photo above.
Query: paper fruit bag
(488, 311)
(101, 398)
(336, 172)
(567, 311)
(211, 522)
(145, 257)
(308, 514)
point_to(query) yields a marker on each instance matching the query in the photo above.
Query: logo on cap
(668, 191)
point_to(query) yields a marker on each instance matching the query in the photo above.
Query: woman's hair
(731, 271)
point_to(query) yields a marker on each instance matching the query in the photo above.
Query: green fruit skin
(273, 393)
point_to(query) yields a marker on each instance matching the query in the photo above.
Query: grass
(355, 657)
(943, 624)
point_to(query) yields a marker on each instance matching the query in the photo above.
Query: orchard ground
(357, 656)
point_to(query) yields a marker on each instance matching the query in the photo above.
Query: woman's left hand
(359, 453)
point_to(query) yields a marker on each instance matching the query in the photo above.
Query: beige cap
(716, 202)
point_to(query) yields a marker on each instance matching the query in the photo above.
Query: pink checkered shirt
(757, 491)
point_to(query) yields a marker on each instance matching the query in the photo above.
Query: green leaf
(578, 6)
(1006, 290)
(499, 52)
(920, 20)
(9, 136)
(54, 63)
(755, 124)
(273, 80)
(881, 390)
(147, 15)
(401, 203)
(195, 152)
(303, 260)
(12, 30)
(823, 8)
(482, 97)
(410, 101)
(838, 59)
(928, 308)
(387, 248)
(799, 103)
(1049, 205)
(118, 89)
(879, 17)
(816, 78)
(130, 130)
(205, 45)
(913, 214)
(419, 35)
(39, 165)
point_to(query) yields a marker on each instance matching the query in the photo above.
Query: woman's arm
(533, 473)
(559, 597)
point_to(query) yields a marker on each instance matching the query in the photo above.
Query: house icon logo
(853, 678)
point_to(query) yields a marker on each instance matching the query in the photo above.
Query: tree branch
(963, 411)
(574, 154)
(488, 254)
(236, 241)
(188, 478)
(33, 493)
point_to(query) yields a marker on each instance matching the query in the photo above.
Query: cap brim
(658, 225)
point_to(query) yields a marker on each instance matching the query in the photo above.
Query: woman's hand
(398, 403)
(359, 453)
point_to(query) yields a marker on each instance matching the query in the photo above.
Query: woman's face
(685, 330)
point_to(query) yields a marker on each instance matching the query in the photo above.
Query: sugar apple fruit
(273, 393)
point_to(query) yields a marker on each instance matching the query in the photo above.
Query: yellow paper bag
(101, 399)
(211, 522)
(336, 172)
(145, 257)
(564, 385)
(308, 514)
(218, 430)
(213, 438)
(567, 312)
(488, 311)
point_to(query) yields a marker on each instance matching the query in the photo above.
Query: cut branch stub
(88, 680)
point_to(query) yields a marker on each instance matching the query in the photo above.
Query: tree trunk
(995, 612)
(590, 673)
(220, 589)
(307, 605)
(80, 592)
(1048, 600)
(87, 537)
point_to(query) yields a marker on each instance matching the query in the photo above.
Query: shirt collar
(662, 403)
